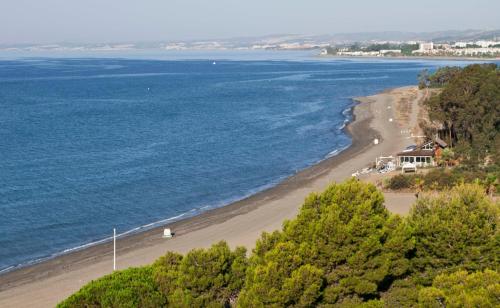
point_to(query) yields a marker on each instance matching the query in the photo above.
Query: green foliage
(344, 249)
(402, 293)
(204, 277)
(133, 287)
(456, 230)
(406, 49)
(343, 243)
(459, 289)
(469, 109)
(447, 156)
(442, 77)
(443, 179)
(401, 181)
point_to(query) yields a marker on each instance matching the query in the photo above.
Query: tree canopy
(343, 249)
(468, 107)
(460, 289)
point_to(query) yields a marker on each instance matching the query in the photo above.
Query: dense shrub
(440, 179)
(444, 178)
(133, 287)
(401, 181)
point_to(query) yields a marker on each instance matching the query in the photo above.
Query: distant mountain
(437, 36)
(469, 35)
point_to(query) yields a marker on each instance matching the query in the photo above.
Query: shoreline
(176, 224)
(185, 216)
(239, 223)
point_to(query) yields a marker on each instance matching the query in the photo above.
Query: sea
(89, 143)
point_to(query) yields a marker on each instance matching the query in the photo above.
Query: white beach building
(423, 155)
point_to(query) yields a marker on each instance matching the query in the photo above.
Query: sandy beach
(241, 223)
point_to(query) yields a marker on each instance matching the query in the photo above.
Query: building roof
(417, 152)
(441, 142)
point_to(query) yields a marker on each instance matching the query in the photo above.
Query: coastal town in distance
(467, 44)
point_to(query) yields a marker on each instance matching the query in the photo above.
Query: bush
(440, 179)
(133, 287)
(401, 181)
(444, 179)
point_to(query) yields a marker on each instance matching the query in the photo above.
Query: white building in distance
(486, 44)
(425, 47)
(460, 44)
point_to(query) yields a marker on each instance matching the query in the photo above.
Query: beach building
(424, 155)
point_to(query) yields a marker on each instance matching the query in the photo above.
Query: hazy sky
(45, 21)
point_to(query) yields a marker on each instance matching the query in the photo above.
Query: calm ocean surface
(92, 144)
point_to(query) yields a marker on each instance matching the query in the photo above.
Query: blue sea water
(92, 144)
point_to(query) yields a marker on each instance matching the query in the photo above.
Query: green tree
(204, 277)
(459, 289)
(468, 107)
(456, 230)
(345, 244)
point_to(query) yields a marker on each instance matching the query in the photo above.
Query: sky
(99, 21)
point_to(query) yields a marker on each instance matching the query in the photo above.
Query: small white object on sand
(390, 120)
(167, 233)
(375, 141)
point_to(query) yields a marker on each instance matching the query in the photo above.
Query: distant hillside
(438, 36)
(276, 41)
(469, 35)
